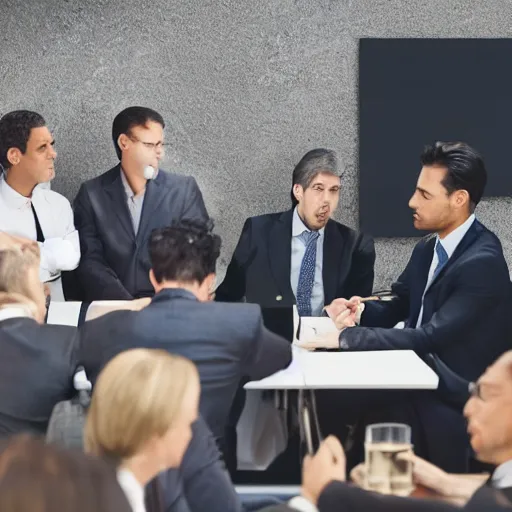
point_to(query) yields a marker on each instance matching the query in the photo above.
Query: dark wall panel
(415, 91)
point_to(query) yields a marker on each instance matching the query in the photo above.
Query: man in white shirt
(27, 157)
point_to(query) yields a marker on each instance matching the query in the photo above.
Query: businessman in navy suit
(270, 264)
(116, 211)
(454, 296)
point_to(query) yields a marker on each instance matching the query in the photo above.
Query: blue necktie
(442, 257)
(307, 273)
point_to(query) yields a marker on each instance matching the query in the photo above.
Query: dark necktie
(39, 231)
(307, 273)
(442, 257)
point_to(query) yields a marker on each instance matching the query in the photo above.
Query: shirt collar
(127, 189)
(298, 227)
(12, 198)
(502, 476)
(451, 241)
(133, 490)
(14, 311)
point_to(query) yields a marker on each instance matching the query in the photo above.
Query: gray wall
(246, 88)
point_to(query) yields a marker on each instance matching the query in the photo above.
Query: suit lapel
(332, 255)
(153, 196)
(117, 194)
(280, 254)
(467, 241)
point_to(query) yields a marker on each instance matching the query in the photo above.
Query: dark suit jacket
(201, 482)
(338, 496)
(466, 315)
(114, 261)
(37, 364)
(261, 264)
(225, 341)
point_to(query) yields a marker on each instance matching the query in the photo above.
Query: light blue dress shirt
(298, 251)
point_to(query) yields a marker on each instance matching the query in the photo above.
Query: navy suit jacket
(114, 262)
(200, 483)
(261, 264)
(466, 311)
(227, 342)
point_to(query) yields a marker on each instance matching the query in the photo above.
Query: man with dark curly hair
(227, 342)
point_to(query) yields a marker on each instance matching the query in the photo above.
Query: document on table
(314, 326)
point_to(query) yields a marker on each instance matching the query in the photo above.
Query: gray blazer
(227, 342)
(115, 262)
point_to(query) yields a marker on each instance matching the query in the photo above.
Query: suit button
(279, 297)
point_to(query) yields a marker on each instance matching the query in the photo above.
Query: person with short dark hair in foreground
(227, 342)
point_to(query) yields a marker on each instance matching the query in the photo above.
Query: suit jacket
(466, 312)
(226, 342)
(261, 264)
(115, 261)
(201, 482)
(338, 496)
(37, 365)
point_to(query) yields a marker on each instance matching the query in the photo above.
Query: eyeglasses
(150, 145)
(475, 390)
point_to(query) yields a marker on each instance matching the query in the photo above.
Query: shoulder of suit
(104, 178)
(240, 311)
(172, 177)
(265, 219)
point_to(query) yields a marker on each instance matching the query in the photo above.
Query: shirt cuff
(302, 504)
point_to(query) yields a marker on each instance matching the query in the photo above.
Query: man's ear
(298, 191)
(14, 156)
(154, 282)
(122, 141)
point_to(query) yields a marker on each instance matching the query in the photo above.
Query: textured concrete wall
(246, 88)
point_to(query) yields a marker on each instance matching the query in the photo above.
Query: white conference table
(308, 371)
(390, 369)
(260, 432)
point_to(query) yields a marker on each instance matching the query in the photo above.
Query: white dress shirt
(449, 243)
(133, 490)
(502, 476)
(61, 248)
(134, 202)
(298, 251)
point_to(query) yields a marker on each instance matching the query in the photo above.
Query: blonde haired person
(19, 280)
(38, 361)
(141, 415)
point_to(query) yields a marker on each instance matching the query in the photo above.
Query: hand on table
(326, 465)
(329, 340)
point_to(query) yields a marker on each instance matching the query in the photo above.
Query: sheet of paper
(64, 313)
(312, 327)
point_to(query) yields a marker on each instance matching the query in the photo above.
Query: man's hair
(311, 164)
(186, 252)
(464, 165)
(137, 396)
(131, 117)
(44, 477)
(15, 130)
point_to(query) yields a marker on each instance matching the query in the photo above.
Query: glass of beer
(385, 472)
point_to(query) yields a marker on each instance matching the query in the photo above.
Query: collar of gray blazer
(173, 293)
